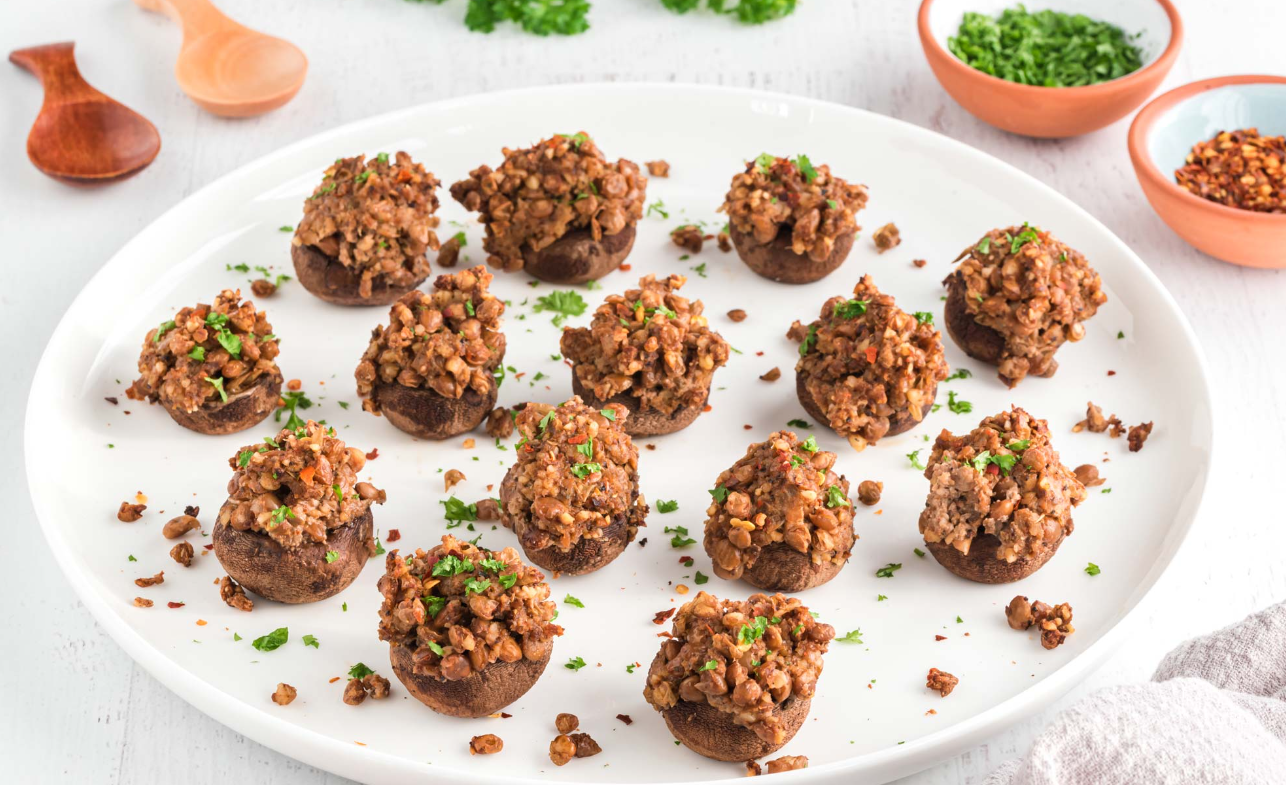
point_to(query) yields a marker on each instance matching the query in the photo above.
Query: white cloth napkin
(1214, 712)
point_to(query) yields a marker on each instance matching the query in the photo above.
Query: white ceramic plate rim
(363, 763)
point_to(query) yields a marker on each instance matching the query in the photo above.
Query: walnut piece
(486, 744)
(787, 763)
(941, 681)
(886, 237)
(586, 747)
(1138, 435)
(284, 694)
(566, 723)
(128, 513)
(182, 553)
(234, 595)
(561, 749)
(143, 583)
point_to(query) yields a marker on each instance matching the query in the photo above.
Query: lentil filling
(297, 486)
(375, 217)
(650, 342)
(816, 207)
(781, 491)
(206, 354)
(1004, 479)
(1033, 290)
(459, 608)
(745, 658)
(447, 340)
(541, 193)
(865, 362)
(576, 474)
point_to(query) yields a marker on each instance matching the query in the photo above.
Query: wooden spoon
(226, 67)
(82, 136)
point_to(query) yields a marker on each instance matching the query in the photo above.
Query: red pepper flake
(201, 622)
(625, 718)
(578, 438)
(209, 546)
(373, 454)
(919, 262)
(706, 408)
(661, 616)
(748, 427)
(306, 474)
(393, 535)
(939, 637)
(993, 469)
(504, 715)
(110, 400)
(332, 681)
(1111, 373)
(176, 604)
(930, 711)
(871, 353)
(666, 634)
(686, 561)
(625, 268)
(759, 354)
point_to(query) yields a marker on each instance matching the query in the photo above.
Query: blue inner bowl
(1200, 117)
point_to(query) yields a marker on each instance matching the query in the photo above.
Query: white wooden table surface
(76, 709)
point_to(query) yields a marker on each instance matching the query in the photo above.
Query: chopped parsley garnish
(506, 581)
(1120, 334)
(984, 245)
(583, 470)
(765, 161)
(359, 671)
(477, 585)
(959, 373)
(165, 327)
(809, 444)
(887, 570)
(797, 423)
(451, 565)
(218, 385)
(709, 666)
(574, 663)
(1018, 445)
(918, 552)
(1005, 462)
(309, 640)
(719, 493)
(959, 407)
(280, 514)
(331, 556)
(808, 341)
(434, 604)
(1027, 235)
(700, 578)
(608, 414)
(630, 668)
(197, 353)
(806, 168)
(835, 497)
(293, 402)
(680, 538)
(492, 565)
(563, 303)
(853, 636)
(657, 207)
(881, 597)
(436, 648)
(914, 458)
(749, 633)
(570, 600)
(586, 449)
(663, 505)
(700, 269)
(851, 309)
(750, 12)
(924, 317)
(272, 640)
(456, 511)
(831, 203)
(1092, 569)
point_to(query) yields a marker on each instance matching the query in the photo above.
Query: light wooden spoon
(82, 136)
(226, 67)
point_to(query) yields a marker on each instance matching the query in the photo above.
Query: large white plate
(870, 716)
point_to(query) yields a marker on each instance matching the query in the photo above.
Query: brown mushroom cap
(900, 421)
(981, 564)
(584, 557)
(780, 567)
(332, 281)
(577, 257)
(243, 410)
(710, 732)
(777, 261)
(642, 423)
(294, 575)
(483, 692)
(426, 413)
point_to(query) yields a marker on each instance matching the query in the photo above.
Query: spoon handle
(55, 66)
(197, 17)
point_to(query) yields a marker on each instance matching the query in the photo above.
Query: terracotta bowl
(1053, 112)
(1166, 129)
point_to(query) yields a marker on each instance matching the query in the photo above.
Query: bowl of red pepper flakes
(1211, 159)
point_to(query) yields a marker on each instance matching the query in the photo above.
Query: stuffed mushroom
(780, 517)
(559, 210)
(212, 367)
(790, 221)
(431, 371)
(1000, 501)
(572, 496)
(1016, 297)
(867, 368)
(297, 525)
(736, 680)
(650, 350)
(366, 229)
(469, 630)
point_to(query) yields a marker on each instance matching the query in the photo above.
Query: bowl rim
(1147, 169)
(1163, 62)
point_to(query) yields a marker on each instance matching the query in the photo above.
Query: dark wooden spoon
(82, 136)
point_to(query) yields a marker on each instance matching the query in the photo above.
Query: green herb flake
(563, 303)
(570, 600)
(574, 663)
(359, 671)
(887, 570)
(680, 538)
(959, 407)
(835, 497)
(709, 666)
(914, 458)
(309, 640)
(667, 506)
(331, 556)
(273, 640)
(853, 636)
(700, 578)
(1092, 569)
